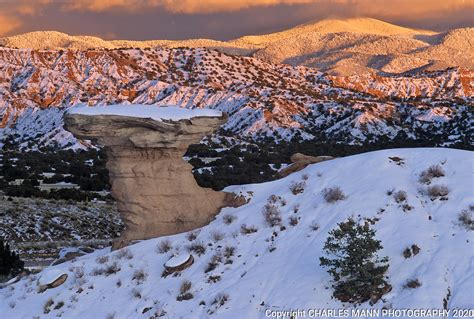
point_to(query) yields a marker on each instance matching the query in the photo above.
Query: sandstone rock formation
(300, 161)
(154, 187)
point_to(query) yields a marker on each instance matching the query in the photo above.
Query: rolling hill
(339, 47)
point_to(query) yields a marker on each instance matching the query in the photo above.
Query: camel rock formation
(155, 190)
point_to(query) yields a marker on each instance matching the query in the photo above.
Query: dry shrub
(102, 259)
(192, 235)
(112, 269)
(59, 305)
(314, 226)
(213, 263)
(244, 229)
(437, 191)
(465, 218)
(415, 249)
(140, 276)
(400, 196)
(229, 251)
(293, 221)
(220, 299)
(411, 251)
(217, 236)
(197, 247)
(124, 253)
(229, 219)
(272, 215)
(333, 194)
(433, 171)
(136, 293)
(407, 253)
(274, 199)
(164, 246)
(297, 187)
(412, 283)
(184, 293)
(47, 305)
(185, 287)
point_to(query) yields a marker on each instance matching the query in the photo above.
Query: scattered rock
(68, 257)
(300, 161)
(178, 263)
(51, 278)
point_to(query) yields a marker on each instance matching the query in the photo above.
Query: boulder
(71, 255)
(154, 187)
(178, 263)
(51, 278)
(300, 161)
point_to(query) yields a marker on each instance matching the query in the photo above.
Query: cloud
(386, 8)
(360, 7)
(11, 13)
(411, 8)
(179, 6)
(213, 6)
(29, 8)
(230, 18)
(8, 23)
(105, 5)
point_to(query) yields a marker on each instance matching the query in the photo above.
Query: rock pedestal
(152, 184)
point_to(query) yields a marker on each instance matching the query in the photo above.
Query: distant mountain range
(264, 100)
(339, 47)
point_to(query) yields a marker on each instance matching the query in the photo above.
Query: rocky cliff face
(154, 188)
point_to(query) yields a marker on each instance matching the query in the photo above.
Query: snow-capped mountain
(262, 99)
(244, 267)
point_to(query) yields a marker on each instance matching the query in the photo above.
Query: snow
(275, 269)
(158, 113)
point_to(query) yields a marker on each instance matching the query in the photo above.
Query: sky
(217, 19)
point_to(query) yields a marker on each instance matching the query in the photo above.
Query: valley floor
(40, 228)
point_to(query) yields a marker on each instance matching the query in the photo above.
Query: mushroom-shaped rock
(154, 187)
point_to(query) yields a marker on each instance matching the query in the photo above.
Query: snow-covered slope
(278, 268)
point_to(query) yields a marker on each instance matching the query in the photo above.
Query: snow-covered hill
(337, 46)
(262, 99)
(277, 268)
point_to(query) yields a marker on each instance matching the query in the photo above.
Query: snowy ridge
(278, 268)
(337, 46)
(261, 99)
